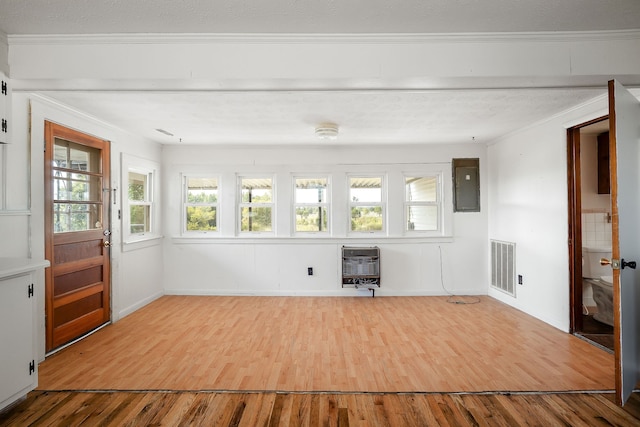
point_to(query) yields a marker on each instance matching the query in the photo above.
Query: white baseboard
(339, 292)
(127, 311)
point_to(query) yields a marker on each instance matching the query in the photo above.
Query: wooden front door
(77, 291)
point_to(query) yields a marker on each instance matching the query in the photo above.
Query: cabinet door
(4, 108)
(16, 338)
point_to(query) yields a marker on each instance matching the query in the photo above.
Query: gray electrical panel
(466, 185)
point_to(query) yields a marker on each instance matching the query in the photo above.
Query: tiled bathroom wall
(596, 229)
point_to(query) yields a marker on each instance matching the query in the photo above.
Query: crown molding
(395, 38)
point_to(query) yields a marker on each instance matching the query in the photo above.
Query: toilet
(603, 296)
(601, 281)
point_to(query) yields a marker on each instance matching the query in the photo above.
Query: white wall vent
(503, 266)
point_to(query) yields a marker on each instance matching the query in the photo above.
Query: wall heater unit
(503, 266)
(361, 268)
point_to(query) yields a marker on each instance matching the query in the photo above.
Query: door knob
(106, 243)
(618, 264)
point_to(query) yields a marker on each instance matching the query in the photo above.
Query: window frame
(439, 175)
(383, 203)
(186, 204)
(326, 204)
(147, 200)
(240, 205)
(132, 164)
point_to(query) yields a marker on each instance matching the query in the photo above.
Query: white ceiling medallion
(328, 131)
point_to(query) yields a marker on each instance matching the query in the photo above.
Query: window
(422, 203)
(311, 207)
(77, 187)
(256, 204)
(201, 204)
(140, 202)
(140, 199)
(366, 203)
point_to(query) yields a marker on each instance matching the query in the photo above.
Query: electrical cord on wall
(452, 299)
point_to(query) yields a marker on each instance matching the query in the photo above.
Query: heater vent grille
(503, 263)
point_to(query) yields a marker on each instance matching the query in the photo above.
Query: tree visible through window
(201, 204)
(366, 203)
(311, 207)
(77, 187)
(139, 202)
(256, 204)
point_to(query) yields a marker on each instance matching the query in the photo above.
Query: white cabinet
(18, 321)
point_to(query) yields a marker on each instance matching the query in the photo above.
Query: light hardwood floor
(403, 344)
(406, 361)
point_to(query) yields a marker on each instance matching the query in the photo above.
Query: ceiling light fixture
(328, 131)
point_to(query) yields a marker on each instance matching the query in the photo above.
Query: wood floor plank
(276, 411)
(35, 405)
(604, 411)
(258, 410)
(483, 415)
(177, 411)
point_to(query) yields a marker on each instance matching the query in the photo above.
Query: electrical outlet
(310, 271)
(519, 279)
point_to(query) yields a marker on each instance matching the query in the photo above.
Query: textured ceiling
(364, 117)
(314, 16)
(288, 113)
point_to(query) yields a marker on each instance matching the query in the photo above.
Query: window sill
(368, 239)
(141, 242)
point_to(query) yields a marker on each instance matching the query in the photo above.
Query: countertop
(16, 266)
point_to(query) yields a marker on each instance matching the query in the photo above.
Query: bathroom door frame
(575, 224)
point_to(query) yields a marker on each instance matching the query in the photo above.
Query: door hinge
(4, 87)
(32, 367)
(30, 290)
(5, 126)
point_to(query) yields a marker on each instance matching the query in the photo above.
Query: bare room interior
(319, 213)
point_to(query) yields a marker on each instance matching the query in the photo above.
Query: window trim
(326, 205)
(445, 185)
(383, 203)
(240, 204)
(152, 170)
(185, 204)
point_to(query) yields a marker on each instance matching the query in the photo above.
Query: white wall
(136, 276)
(4, 53)
(277, 265)
(528, 205)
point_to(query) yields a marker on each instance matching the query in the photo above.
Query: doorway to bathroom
(591, 311)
